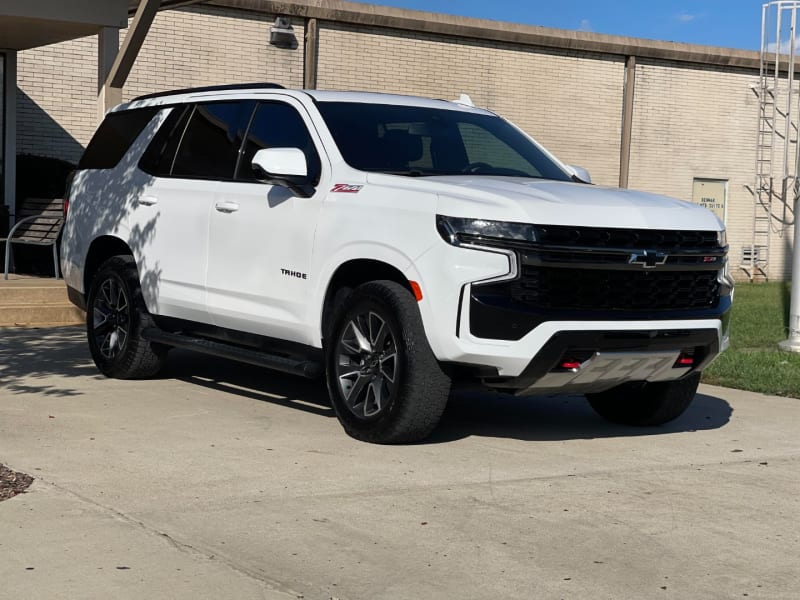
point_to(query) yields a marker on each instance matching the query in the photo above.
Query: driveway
(222, 480)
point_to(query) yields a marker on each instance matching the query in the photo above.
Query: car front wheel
(646, 404)
(385, 384)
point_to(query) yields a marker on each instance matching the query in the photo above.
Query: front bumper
(599, 360)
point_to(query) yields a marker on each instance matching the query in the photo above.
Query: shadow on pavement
(258, 383)
(554, 418)
(28, 357)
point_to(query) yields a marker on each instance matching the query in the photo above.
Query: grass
(759, 321)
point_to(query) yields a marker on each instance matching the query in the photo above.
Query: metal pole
(792, 344)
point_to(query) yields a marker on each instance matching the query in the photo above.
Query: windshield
(419, 141)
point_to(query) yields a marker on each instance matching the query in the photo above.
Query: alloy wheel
(111, 318)
(366, 364)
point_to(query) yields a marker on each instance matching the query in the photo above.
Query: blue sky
(729, 23)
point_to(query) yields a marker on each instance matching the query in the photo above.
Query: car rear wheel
(385, 384)
(646, 404)
(115, 318)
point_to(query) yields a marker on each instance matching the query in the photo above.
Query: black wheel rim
(366, 364)
(111, 318)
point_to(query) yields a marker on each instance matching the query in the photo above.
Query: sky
(727, 23)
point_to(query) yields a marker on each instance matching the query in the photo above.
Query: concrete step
(40, 315)
(32, 294)
(35, 302)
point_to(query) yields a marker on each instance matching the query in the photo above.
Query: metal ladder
(775, 177)
(755, 260)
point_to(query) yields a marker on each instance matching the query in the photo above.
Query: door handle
(147, 200)
(226, 207)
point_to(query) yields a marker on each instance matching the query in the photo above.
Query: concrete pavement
(227, 481)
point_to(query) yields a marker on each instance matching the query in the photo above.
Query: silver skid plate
(607, 369)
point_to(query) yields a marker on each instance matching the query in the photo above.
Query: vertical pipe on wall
(310, 54)
(629, 86)
(9, 89)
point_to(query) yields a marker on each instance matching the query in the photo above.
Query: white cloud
(586, 25)
(686, 17)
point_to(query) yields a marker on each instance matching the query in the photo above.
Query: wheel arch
(100, 250)
(348, 276)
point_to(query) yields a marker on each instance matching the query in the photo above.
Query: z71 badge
(347, 188)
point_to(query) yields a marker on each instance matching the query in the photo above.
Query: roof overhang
(26, 25)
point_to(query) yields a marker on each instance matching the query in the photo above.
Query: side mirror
(285, 167)
(580, 173)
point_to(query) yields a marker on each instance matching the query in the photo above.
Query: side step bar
(304, 368)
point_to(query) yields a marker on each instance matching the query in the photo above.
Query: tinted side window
(210, 145)
(158, 158)
(114, 136)
(278, 125)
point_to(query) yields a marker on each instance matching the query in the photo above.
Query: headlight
(457, 231)
(722, 238)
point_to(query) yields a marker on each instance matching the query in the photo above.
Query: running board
(304, 368)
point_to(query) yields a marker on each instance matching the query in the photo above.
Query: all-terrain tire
(378, 398)
(116, 315)
(646, 404)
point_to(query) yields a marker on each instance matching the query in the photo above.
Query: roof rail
(212, 88)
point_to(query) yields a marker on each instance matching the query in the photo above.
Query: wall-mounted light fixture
(282, 35)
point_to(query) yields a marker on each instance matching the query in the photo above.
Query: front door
(261, 236)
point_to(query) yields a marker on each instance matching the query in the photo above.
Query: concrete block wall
(569, 102)
(700, 122)
(57, 97)
(689, 120)
(209, 46)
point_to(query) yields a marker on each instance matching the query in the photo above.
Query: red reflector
(570, 364)
(66, 207)
(416, 289)
(686, 361)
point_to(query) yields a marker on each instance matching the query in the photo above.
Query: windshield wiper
(408, 173)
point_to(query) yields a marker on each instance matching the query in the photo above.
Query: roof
(217, 92)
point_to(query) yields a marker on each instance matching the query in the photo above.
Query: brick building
(669, 118)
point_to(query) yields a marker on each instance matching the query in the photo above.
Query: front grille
(599, 289)
(656, 239)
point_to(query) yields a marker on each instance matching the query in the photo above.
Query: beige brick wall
(700, 122)
(570, 103)
(689, 121)
(57, 104)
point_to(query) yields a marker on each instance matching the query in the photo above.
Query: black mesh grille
(593, 237)
(597, 289)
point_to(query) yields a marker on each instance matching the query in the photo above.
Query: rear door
(188, 159)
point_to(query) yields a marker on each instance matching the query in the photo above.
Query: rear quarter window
(114, 136)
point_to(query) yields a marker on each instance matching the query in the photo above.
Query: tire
(646, 404)
(115, 318)
(385, 384)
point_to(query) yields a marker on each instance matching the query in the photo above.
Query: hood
(548, 202)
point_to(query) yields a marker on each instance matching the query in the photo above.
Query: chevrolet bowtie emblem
(647, 258)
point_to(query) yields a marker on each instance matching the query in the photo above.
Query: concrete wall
(693, 117)
(57, 97)
(694, 121)
(545, 93)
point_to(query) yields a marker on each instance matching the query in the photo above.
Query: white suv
(396, 245)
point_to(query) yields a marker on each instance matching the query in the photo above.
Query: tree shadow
(109, 206)
(40, 361)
